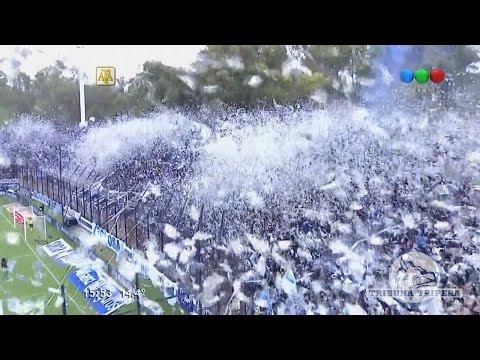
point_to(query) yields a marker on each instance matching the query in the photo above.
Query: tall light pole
(81, 84)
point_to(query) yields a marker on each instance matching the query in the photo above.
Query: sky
(128, 59)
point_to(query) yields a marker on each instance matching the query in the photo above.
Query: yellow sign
(105, 76)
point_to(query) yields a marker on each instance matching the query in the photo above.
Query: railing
(125, 224)
(87, 225)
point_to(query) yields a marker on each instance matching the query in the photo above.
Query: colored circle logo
(437, 76)
(422, 76)
(406, 76)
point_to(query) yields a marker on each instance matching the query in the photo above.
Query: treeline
(244, 75)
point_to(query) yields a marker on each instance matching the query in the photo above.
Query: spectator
(5, 268)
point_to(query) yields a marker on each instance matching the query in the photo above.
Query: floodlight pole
(81, 85)
(82, 100)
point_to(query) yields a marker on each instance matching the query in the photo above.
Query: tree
(104, 101)
(249, 74)
(166, 86)
(158, 85)
(7, 98)
(338, 60)
(24, 98)
(56, 95)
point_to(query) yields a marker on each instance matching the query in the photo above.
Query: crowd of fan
(335, 245)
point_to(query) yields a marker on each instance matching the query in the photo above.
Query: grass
(102, 251)
(152, 293)
(20, 283)
(48, 211)
(105, 253)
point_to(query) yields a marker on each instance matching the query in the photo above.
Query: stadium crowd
(318, 242)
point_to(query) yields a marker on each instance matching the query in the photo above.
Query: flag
(289, 283)
(265, 296)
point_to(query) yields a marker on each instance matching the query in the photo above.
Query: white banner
(42, 198)
(114, 243)
(9, 182)
(57, 248)
(72, 213)
(86, 225)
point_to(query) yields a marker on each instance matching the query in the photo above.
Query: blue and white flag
(289, 283)
(185, 300)
(265, 296)
(58, 250)
(101, 291)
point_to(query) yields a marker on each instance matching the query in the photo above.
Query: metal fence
(107, 211)
(123, 218)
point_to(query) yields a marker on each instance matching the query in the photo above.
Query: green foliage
(104, 101)
(164, 86)
(229, 69)
(3, 115)
(245, 75)
(56, 95)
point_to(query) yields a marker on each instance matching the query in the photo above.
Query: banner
(186, 301)
(86, 225)
(77, 260)
(114, 243)
(8, 187)
(45, 200)
(9, 182)
(72, 213)
(58, 250)
(9, 193)
(100, 290)
(64, 254)
(42, 198)
(147, 270)
(109, 240)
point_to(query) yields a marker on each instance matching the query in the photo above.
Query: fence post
(107, 215)
(84, 207)
(64, 304)
(90, 201)
(148, 227)
(116, 220)
(36, 179)
(99, 213)
(41, 176)
(76, 197)
(125, 238)
(70, 197)
(28, 186)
